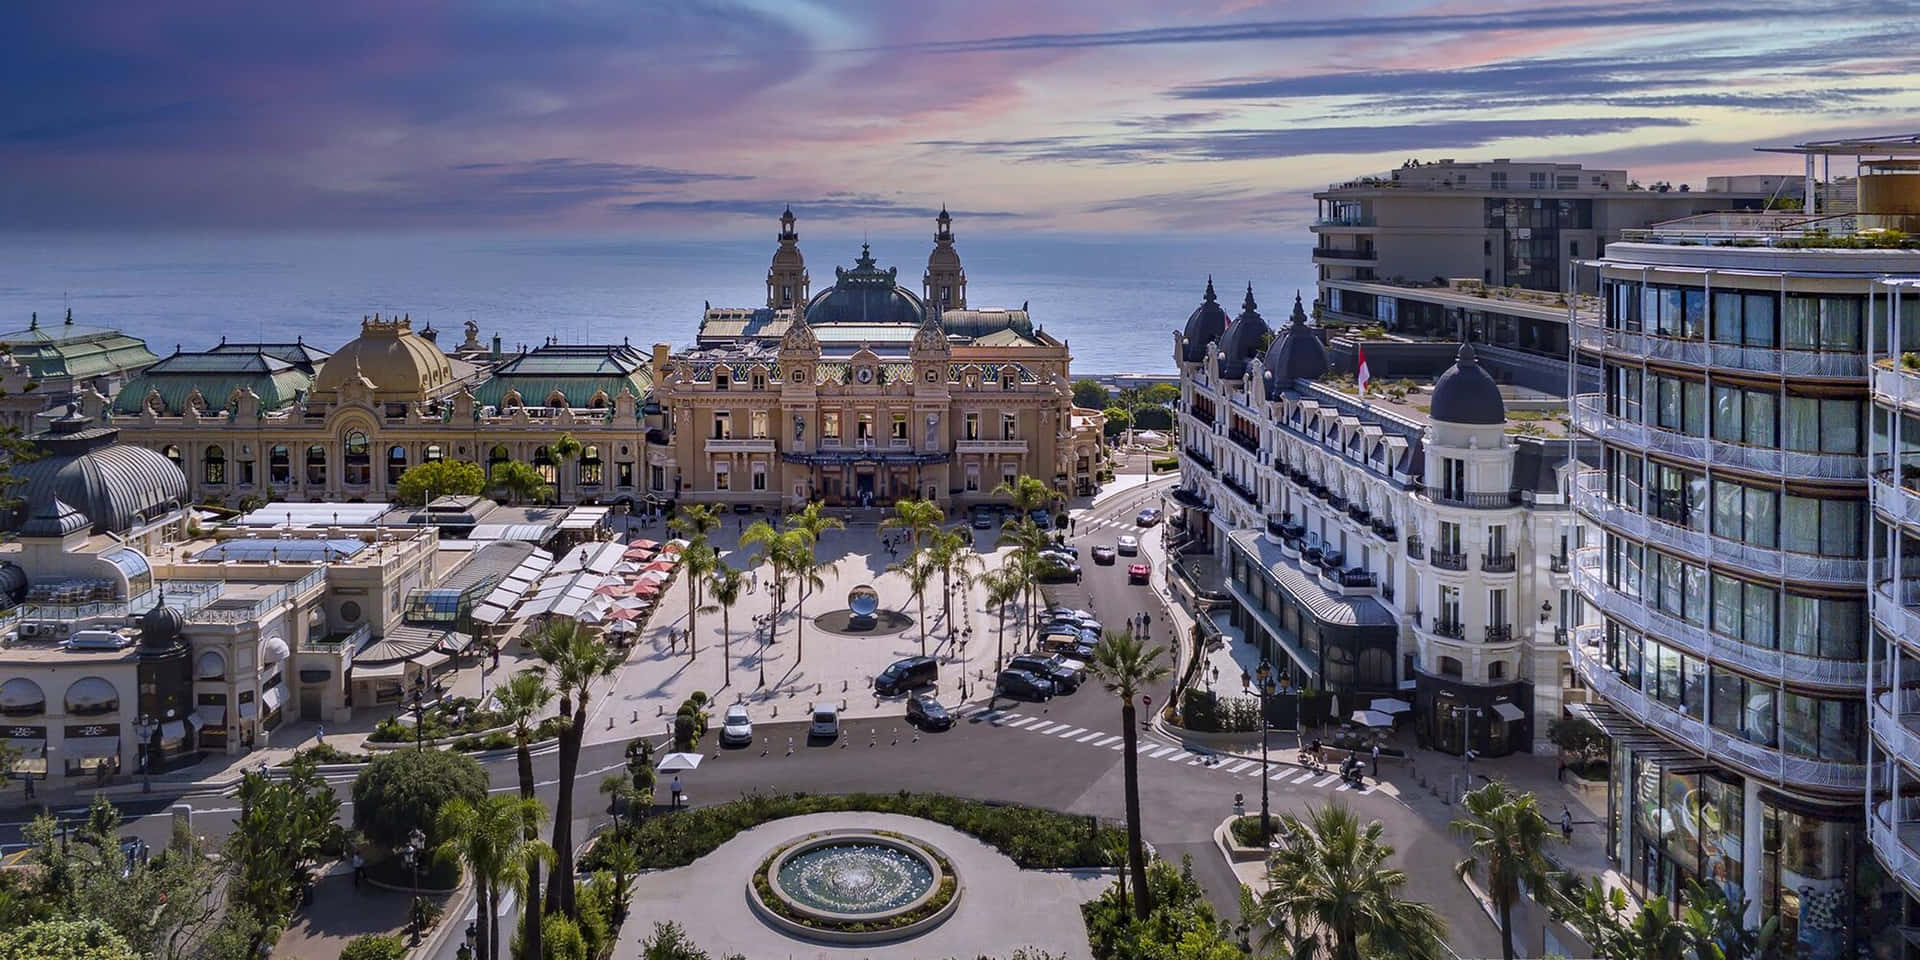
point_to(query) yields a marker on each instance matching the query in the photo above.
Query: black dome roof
(1466, 394)
(1204, 326)
(1246, 335)
(865, 294)
(1298, 354)
(112, 486)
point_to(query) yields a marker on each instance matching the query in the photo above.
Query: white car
(826, 721)
(1127, 546)
(736, 726)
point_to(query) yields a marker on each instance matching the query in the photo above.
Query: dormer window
(720, 379)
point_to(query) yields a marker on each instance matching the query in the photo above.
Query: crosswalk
(1280, 773)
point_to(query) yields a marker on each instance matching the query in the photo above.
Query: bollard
(776, 709)
(816, 689)
(789, 746)
(843, 703)
(636, 715)
(609, 723)
(896, 737)
(843, 686)
(660, 710)
(763, 745)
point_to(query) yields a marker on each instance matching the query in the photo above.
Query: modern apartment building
(1411, 543)
(1482, 250)
(1746, 490)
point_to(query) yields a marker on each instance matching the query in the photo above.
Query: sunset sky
(1085, 116)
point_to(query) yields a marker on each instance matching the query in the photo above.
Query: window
(1449, 611)
(721, 380)
(973, 478)
(1747, 514)
(899, 427)
(757, 425)
(1009, 426)
(1824, 527)
(496, 456)
(433, 454)
(830, 425)
(1573, 248)
(544, 463)
(213, 465)
(759, 380)
(972, 429)
(722, 425)
(657, 477)
(759, 476)
(1537, 180)
(1497, 179)
(317, 466)
(623, 473)
(1496, 608)
(396, 463)
(1821, 729)
(1742, 707)
(863, 428)
(1449, 539)
(1745, 611)
(1830, 628)
(359, 460)
(279, 464)
(1453, 477)
(590, 465)
(721, 480)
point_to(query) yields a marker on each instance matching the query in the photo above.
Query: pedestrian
(1376, 763)
(1566, 823)
(320, 733)
(359, 868)
(676, 791)
(1073, 526)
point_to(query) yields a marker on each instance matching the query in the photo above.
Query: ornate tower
(946, 281)
(787, 277)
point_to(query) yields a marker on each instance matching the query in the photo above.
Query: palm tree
(1027, 494)
(520, 482)
(919, 569)
(695, 520)
(918, 517)
(1004, 586)
(957, 563)
(696, 562)
(1028, 540)
(814, 519)
(1330, 894)
(1127, 667)
(567, 448)
(724, 585)
(489, 839)
(767, 550)
(805, 569)
(575, 659)
(520, 700)
(1506, 834)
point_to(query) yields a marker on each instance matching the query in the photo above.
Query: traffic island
(855, 886)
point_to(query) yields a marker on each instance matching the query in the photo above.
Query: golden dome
(400, 364)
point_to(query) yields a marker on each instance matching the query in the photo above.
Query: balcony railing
(1202, 414)
(1448, 561)
(1477, 501)
(1416, 548)
(1385, 531)
(1593, 335)
(1247, 441)
(1335, 253)
(1557, 563)
(1200, 458)
(1896, 839)
(1497, 563)
(260, 608)
(1894, 499)
(1590, 417)
(1359, 514)
(350, 643)
(1450, 628)
(1897, 724)
(1500, 633)
(1591, 500)
(1246, 493)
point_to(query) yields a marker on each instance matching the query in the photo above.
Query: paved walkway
(1001, 906)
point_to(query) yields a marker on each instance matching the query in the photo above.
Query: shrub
(1583, 742)
(562, 938)
(1163, 464)
(1246, 830)
(326, 753)
(375, 946)
(1182, 924)
(65, 940)
(405, 789)
(1199, 710)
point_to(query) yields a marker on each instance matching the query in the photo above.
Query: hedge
(1163, 464)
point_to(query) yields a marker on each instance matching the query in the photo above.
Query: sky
(698, 117)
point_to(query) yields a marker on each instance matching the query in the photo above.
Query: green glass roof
(69, 350)
(276, 382)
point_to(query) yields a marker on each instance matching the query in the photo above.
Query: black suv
(1066, 679)
(925, 712)
(1022, 685)
(903, 675)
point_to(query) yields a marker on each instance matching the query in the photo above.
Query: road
(1064, 755)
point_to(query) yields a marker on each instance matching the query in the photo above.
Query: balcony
(1590, 417)
(1189, 498)
(1442, 560)
(1416, 549)
(259, 609)
(1896, 500)
(1500, 633)
(1353, 221)
(1594, 337)
(1004, 445)
(1755, 759)
(1896, 385)
(1898, 730)
(1590, 499)
(1558, 563)
(1345, 256)
(1201, 414)
(1476, 501)
(349, 643)
(739, 444)
(1497, 563)
(1452, 629)
(1247, 441)
(1202, 459)
(1385, 531)
(1359, 514)
(1246, 493)
(1896, 839)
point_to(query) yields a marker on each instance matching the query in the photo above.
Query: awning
(194, 721)
(248, 710)
(173, 730)
(1507, 711)
(93, 747)
(273, 697)
(212, 714)
(377, 671)
(430, 659)
(456, 642)
(272, 649)
(28, 749)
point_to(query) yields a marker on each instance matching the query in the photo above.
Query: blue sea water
(1113, 298)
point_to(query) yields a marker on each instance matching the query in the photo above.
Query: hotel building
(1413, 541)
(1749, 645)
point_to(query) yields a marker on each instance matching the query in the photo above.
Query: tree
(696, 562)
(520, 482)
(919, 568)
(695, 520)
(1507, 837)
(1089, 394)
(1118, 420)
(812, 522)
(375, 946)
(1004, 585)
(1331, 894)
(806, 569)
(768, 550)
(490, 839)
(567, 448)
(957, 563)
(440, 478)
(575, 659)
(669, 942)
(519, 701)
(1028, 540)
(1710, 928)
(1159, 395)
(87, 939)
(1126, 667)
(403, 790)
(724, 585)
(1026, 493)
(284, 828)
(919, 518)
(1580, 740)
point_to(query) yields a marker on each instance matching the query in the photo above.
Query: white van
(826, 721)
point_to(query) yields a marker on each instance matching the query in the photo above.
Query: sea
(1114, 298)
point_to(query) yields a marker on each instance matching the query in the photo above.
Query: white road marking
(1091, 736)
(1076, 731)
(1242, 765)
(1045, 727)
(1159, 752)
(1023, 721)
(1329, 778)
(1111, 739)
(1283, 773)
(1306, 776)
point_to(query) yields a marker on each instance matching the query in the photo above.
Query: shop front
(1453, 715)
(1316, 637)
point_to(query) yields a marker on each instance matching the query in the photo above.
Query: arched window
(172, 452)
(433, 454)
(211, 666)
(1497, 670)
(279, 464)
(213, 465)
(1449, 667)
(590, 465)
(92, 696)
(396, 463)
(543, 462)
(599, 401)
(20, 697)
(316, 466)
(498, 455)
(359, 460)
(556, 399)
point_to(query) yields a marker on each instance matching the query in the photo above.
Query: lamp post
(143, 728)
(418, 705)
(412, 852)
(1265, 674)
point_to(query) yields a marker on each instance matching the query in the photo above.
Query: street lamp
(143, 728)
(1265, 673)
(413, 853)
(418, 705)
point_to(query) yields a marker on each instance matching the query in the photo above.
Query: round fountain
(855, 886)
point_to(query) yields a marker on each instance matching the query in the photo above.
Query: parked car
(736, 727)
(1065, 673)
(1128, 545)
(1103, 555)
(1022, 685)
(1072, 647)
(982, 520)
(1059, 613)
(826, 721)
(908, 674)
(1137, 573)
(1057, 569)
(925, 712)
(1148, 517)
(1041, 519)
(1060, 545)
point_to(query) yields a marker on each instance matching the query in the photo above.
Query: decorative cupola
(787, 285)
(1297, 354)
(1245, 336)
(1204, 326)
(945, 284)
(1466, 394)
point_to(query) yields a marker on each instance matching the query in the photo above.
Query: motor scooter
(1353, 772)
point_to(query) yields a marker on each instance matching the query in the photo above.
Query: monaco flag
(1365, 375)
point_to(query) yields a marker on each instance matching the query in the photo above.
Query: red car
(1137, 573)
